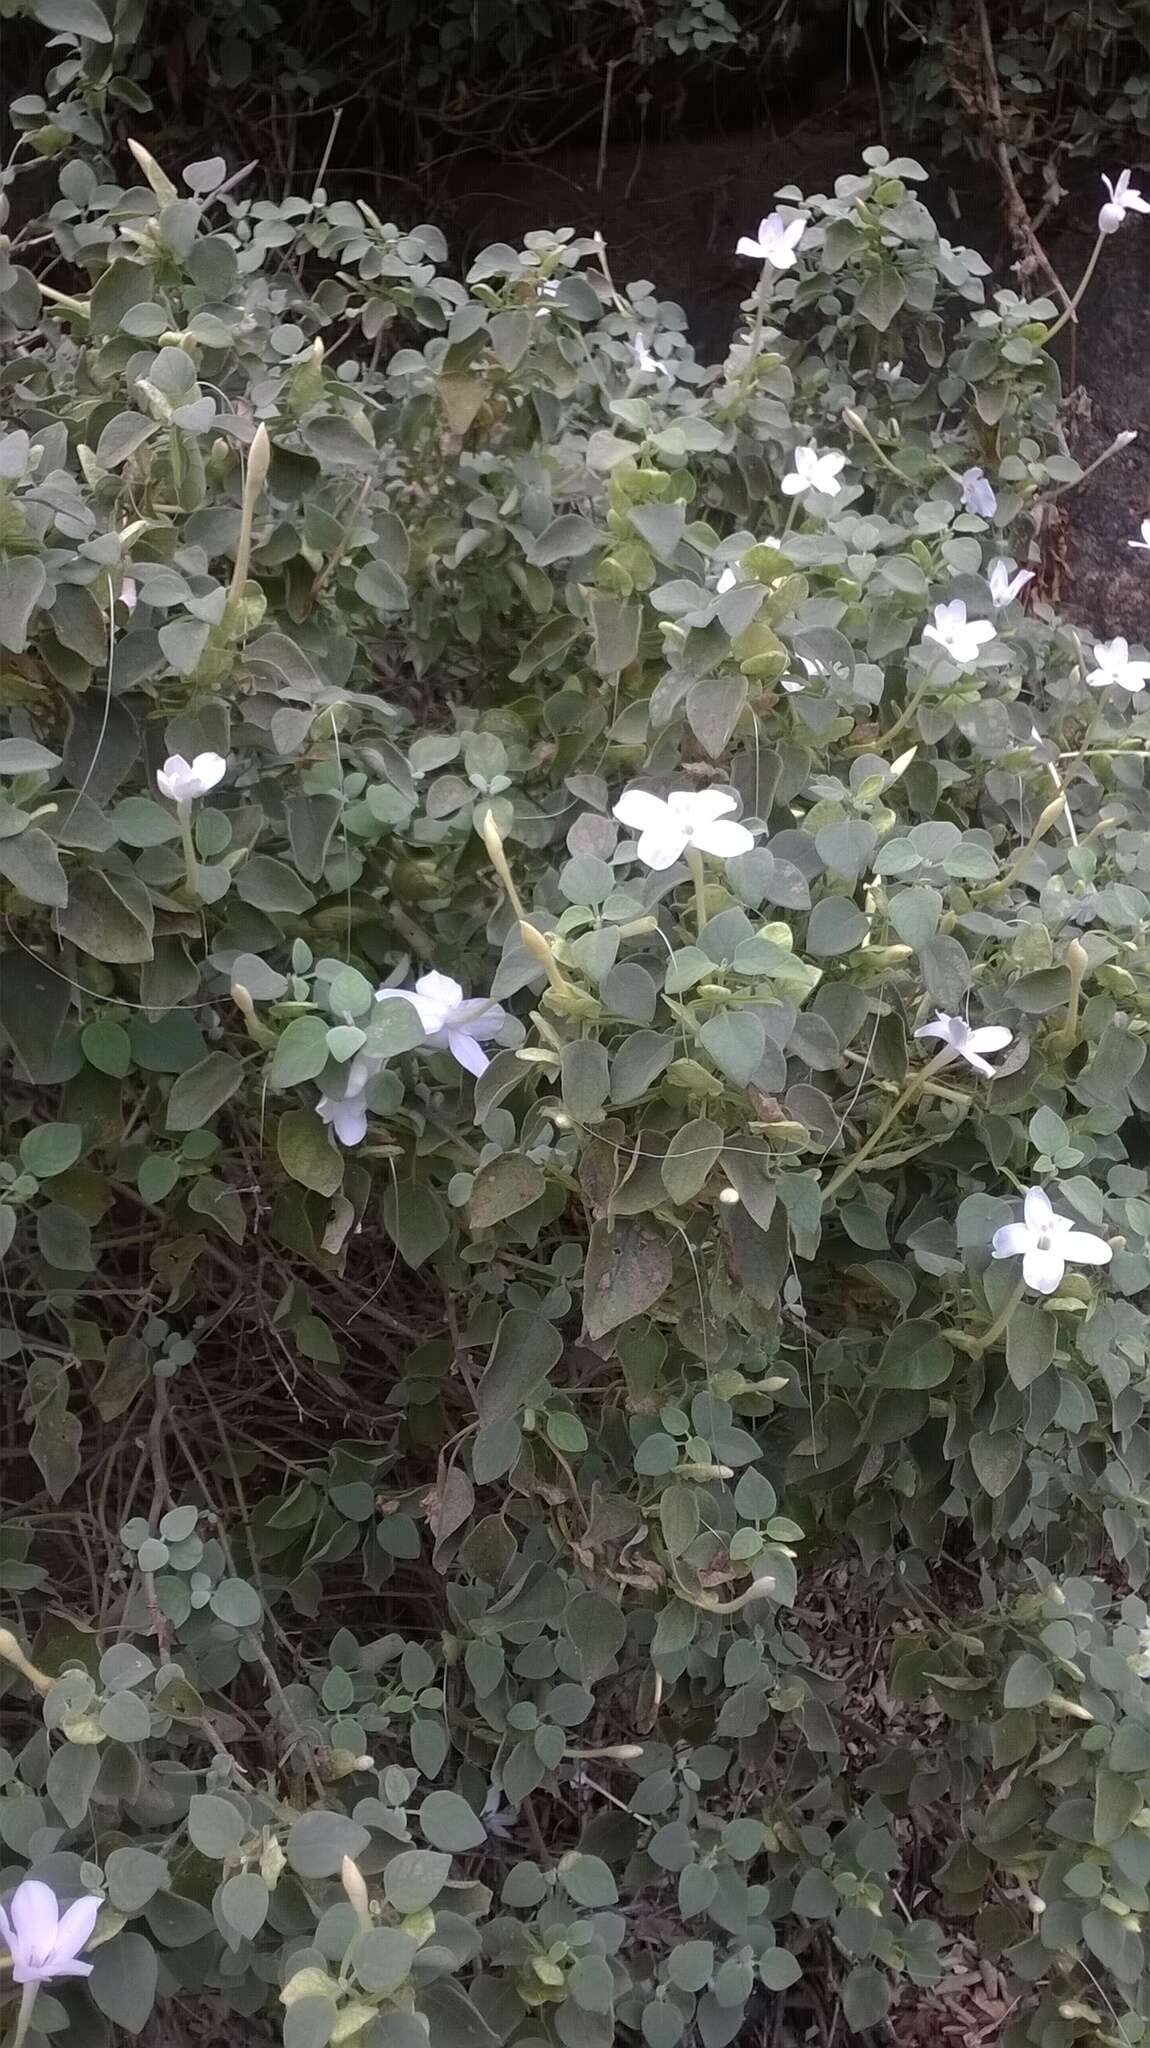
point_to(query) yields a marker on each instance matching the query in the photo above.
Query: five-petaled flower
(43, 1942)
(183, 781)
(815, 472)
(1113, 665)
(669, 826)
(1047, 1243)
(957, 635)
(777, 241)
(978, 493)
(1004, 587)
(963, 1043)
(452, 1022)
(1144, 543)
(1124, 198)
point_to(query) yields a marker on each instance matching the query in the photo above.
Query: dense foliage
(581, 1442)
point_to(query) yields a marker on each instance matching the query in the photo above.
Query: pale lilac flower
(777, 241)
(978, 493)
(1114, 666)
(814, 472)
(1124, 198)
(346, 1114)
(668, 826)
(183, 781)
(647, 364)
(1047, 1243)
(451, 1021)
(1144, 543)
(964, 1044)
(957, 635)
(1004, 587)
(43, 1942)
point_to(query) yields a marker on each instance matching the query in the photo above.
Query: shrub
(757, 1536)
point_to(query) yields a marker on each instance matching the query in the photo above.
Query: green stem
(913, 1087)
(24, 2016)
(1083, 283)
(977, 1345)
(698, 877)
(892, 732)
(184, 814)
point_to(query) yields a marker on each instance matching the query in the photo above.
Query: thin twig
(1018, 221)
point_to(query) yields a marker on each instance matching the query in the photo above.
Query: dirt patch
(672, 211)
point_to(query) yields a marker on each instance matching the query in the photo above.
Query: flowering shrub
(586, 911)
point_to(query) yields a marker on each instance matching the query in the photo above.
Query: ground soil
(672, 212)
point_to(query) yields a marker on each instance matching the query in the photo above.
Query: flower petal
(480, 1018)
(746, 247)
(975, 1060)
(939, 1029)
(468, 1052)
(640, 810)
(1011, 1241)
(662, 845)
(1043, 1269)
(35, 1915)
(1037, 1209)
(989, 1038)
(1082, 1248)
(793, 484)
(707, 804)
(724, 839)
(75, 1927)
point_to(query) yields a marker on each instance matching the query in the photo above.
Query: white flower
(130, 595)
(965, 1044)
(978, 493)
(1115, 666)
(815, 472)
(1124, 198)
(890, 372)
(346, 1114)
(1004, 587)
(727, 580)
(42, 1942)
(959, 636)
(777, 241)
(183, 781)
(1140, 1662)
(452, 1022)
(668, 826)
(1145, 540)
(1046, 1243)
(649, 365)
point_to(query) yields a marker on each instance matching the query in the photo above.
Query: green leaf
(615, 623)
(585, 1078)
(271, 885)
(779, 1969)
(587, 1880)
(51, 1149)
(26, 757)
(124, 433)
(1030, 1342)
(243, 1903)
(866, 1996)
(215, 1826)
(237, 1603)
(502, 1188)
(32, 865)
(915, 1355)
(22, 581)
(123, 1980)
(109, 916)
(736, 1040)
(567, 537)
(597, 1631)
(72, 1772)
(690, 1157)
(197, 1094)
(996, 1456)
(1116, 1801)
(836, 926)
(416, 1876)
(525, 1350)
(1117, 1947)
(306, 1152)
(133, 1876)
(382, 1958)
(450, 1823)
(318, 1842)
(301, 1052)
(628, 1270)
(74, 17)
(1028, 1682)
(107, 1047)
(64, 1239)
(881, 298)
